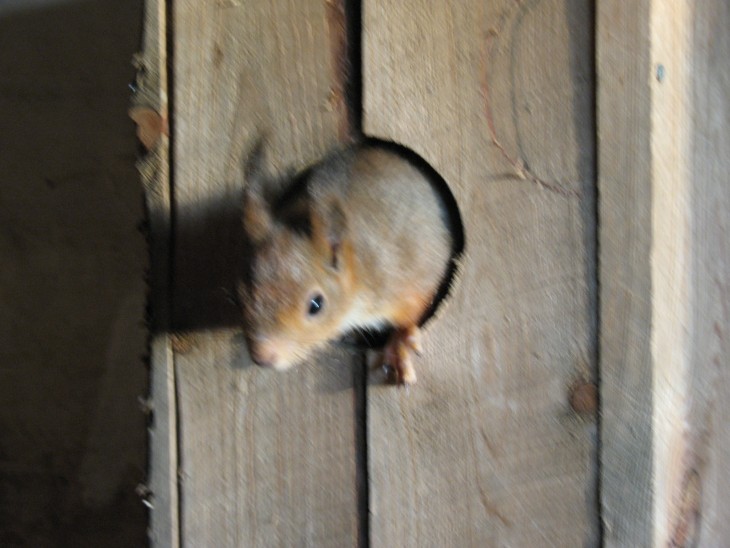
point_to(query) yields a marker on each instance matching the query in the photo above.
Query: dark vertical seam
(353, 85)
(361, 451)
(170, 321)
(353, 100)
(597, 281)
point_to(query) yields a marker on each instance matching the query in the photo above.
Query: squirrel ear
(254, 164)
(256, 217)
(329, 231)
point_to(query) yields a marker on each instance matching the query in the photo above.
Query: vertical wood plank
(670, 228)
(690, 267)
(704, 494)
(164, 527)
(664, 115)
(624, 164)
(151, 93)
(485, 450)
(266, 458)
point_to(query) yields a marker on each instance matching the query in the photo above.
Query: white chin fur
(282, 366)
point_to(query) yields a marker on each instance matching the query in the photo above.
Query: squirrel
(361, 240)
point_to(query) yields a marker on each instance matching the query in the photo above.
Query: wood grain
(266, 458)
(670, 229)
(485, 450)
(706, 510)
(665, 204)
(690, 267)
(164, 529)
(624, 164)
(151, 93)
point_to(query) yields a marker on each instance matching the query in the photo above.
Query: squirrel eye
(316, 304)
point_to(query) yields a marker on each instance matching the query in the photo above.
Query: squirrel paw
(397, 353)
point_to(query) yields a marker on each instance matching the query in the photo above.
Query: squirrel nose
(263, 355)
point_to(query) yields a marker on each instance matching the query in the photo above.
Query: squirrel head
(299, 289)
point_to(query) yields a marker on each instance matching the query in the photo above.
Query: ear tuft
(256, 215)
(254, 166)
(256, 218)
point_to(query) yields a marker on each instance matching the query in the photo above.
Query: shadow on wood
(213, 262)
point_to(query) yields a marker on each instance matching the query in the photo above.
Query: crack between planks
(349, 66)
(362, 480)
(169, 48)
(353, 84)
(595, 210)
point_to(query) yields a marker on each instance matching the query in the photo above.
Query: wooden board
(485, 450)
(702, 495)
(151, 93)
(670, 264)
(265, 458)
(164, 529)
(664, 115)
(624, 164)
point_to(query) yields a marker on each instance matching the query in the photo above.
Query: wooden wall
(263, 457)
(498, 443)
(664, 195)
(486, 450)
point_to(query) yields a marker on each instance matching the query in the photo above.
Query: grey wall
(72, 290)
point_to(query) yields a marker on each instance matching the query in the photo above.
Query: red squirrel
(360, 240)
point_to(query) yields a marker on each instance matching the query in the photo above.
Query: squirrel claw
(397, 354)
(412, 339)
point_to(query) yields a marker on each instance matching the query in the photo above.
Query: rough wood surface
(671, 270)
(705, 500)
(705, 483)
(663, 119)
(164, 527)
(690, 264)
(624, 164)
(266, 458)
(151, 93)
(485, 449)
